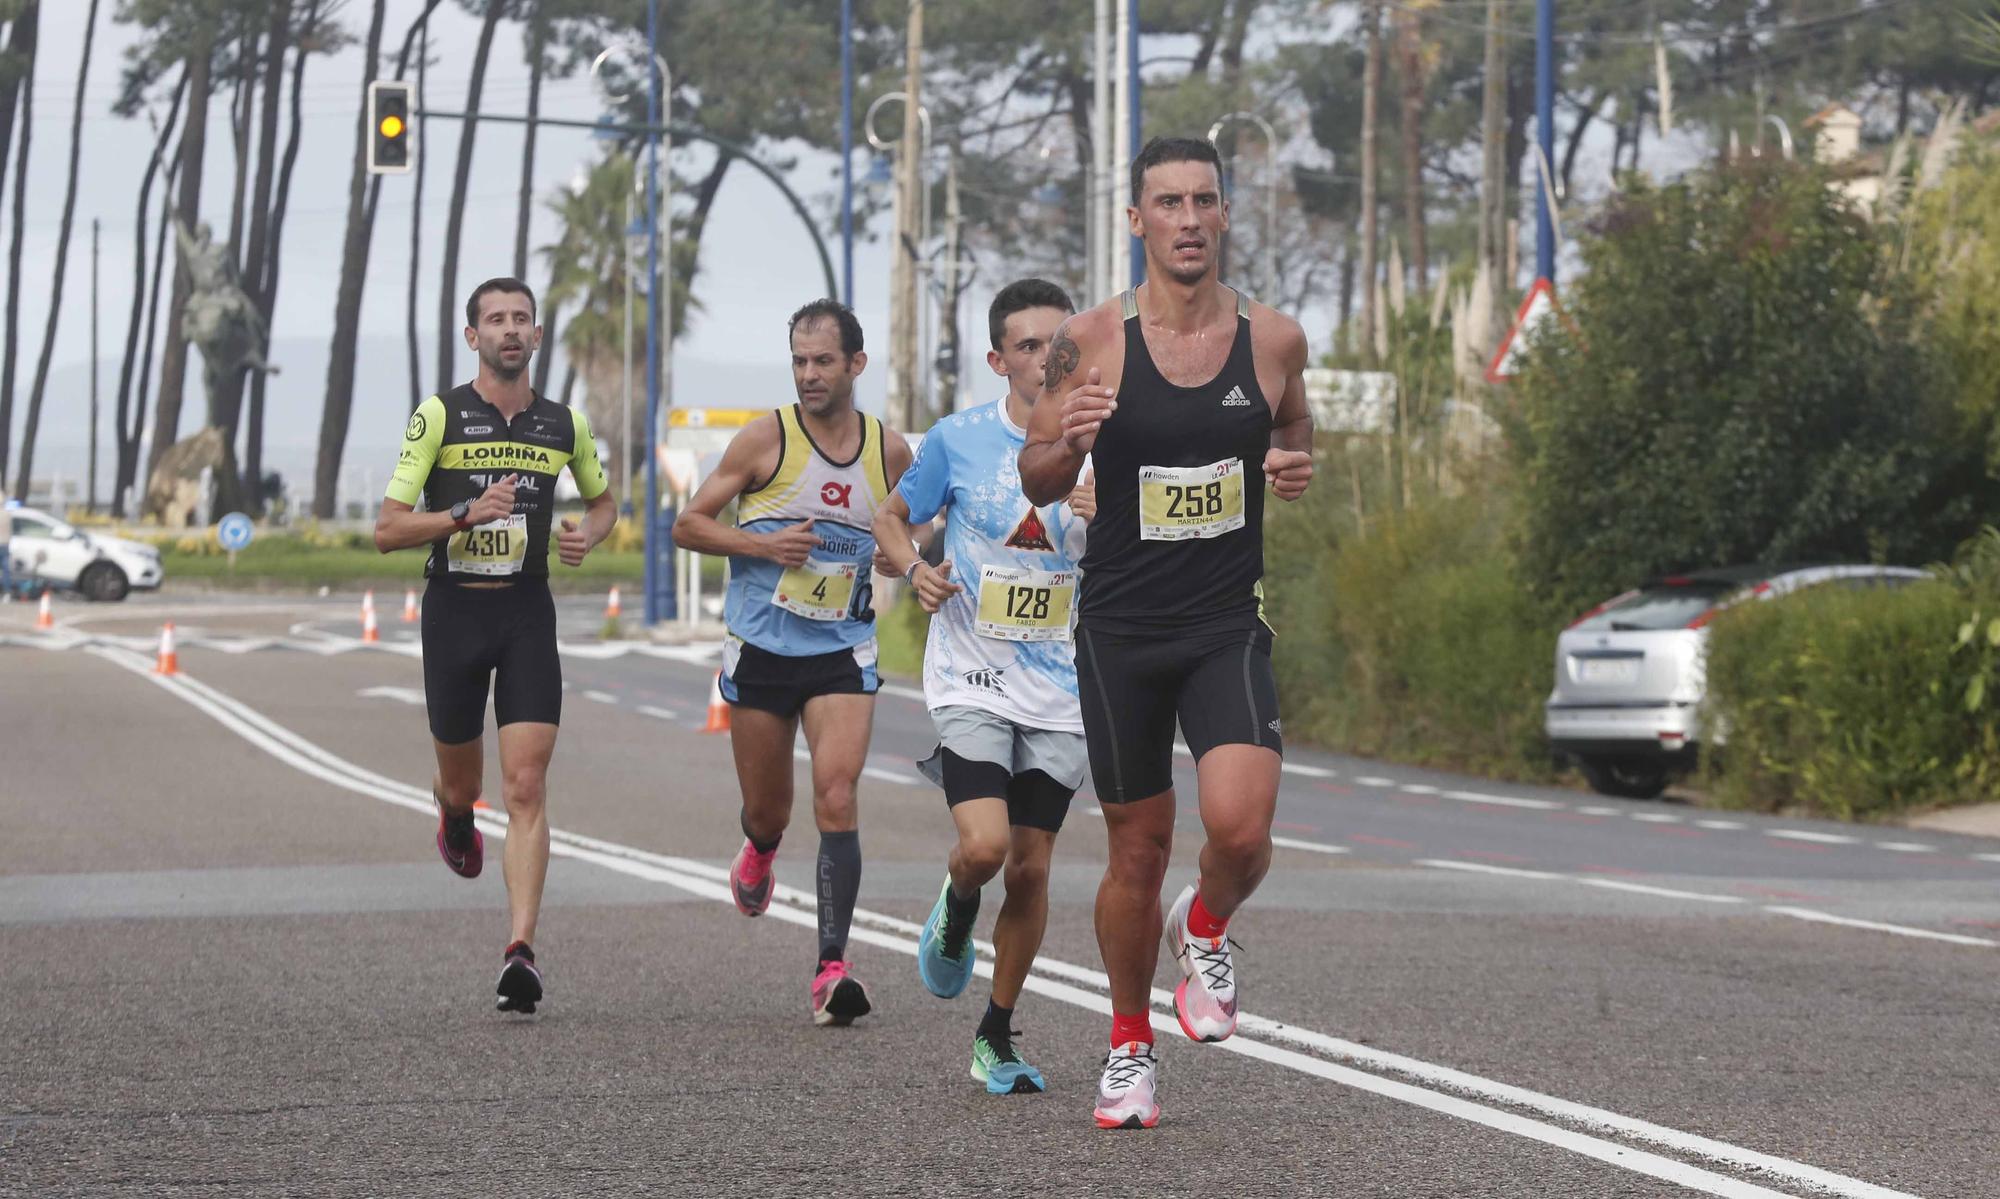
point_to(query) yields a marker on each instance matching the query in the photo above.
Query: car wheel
(1625, 778)
(104, 582)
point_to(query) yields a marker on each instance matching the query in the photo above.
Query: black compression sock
(743, 819)
(961, 912)
(998, 1023)
(839, 884)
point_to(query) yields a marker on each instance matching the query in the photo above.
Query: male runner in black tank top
(1190, 399)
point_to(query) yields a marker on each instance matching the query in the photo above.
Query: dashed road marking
(1498, 801)
(1656, 817)
(1308, 846)
(600, 697)
(658, 713)
(1905, 847)
(1305, 771)
(1799, 834)
(1901, 930)
(1721, 824)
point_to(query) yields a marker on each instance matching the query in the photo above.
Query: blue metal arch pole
(847, 152)
(655, 610)
(1545, 136)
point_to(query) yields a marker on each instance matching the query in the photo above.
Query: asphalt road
(234, 965)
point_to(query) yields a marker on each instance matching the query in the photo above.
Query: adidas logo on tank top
(1236, 398)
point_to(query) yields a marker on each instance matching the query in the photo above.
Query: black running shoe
(520, 987)
(459, 842)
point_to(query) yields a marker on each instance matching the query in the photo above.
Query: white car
(100, 566)
(1631, 673)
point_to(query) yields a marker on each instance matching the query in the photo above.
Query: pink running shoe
(460, 842)
(1125, 1093)
(750, 880)
(838, 997)
(1205, 1001)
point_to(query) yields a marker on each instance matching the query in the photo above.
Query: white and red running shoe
(750, 879)
(838, 997)
(1205, 1000)
(1125, 1092)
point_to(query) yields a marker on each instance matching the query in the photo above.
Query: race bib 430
(1177, 503)
(498, 547)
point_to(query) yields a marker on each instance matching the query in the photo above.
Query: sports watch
(460, 512)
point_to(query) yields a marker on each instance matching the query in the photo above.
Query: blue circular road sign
(234, 531)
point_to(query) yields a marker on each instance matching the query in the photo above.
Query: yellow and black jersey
(457, 445)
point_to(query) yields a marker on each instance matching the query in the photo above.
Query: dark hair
(1019, 296)
(830, 310)
(1163, 150)
(503, 283)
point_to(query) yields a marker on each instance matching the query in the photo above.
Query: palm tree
(62, 265)
(587, 264)
(130, 422)
(25, 32)
(187, 206)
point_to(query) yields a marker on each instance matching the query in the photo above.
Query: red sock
(1125, 1029)
(1203, 923)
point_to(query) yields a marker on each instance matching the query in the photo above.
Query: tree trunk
(20, 48)
(242, 98)
(1493, 170)
(129, 425)
(153, 307)
(1410, 68)
(276, 42)
(31, 18)
(448, 297)
(410, 325)
(62, 265)
(264, 284)
(551, 330)
(173, 365)
(1582, 126)
(537, 38)
(1371, 90)
(339, 404)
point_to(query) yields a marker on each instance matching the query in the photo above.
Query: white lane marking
(1906, 847)
(1609, 884)
(1419, 789)
(1601, 811)
(404, 695)
(901, 692)
(1305, 771)
(1987, 857)
(600, 697)
(1501, 801)
(1799, 834)
(1656, 817)
(1721, 824)
(657, 713)
(1375, 780)
(704, 880)
(1308, 846)
(1878, 927)
(892, 776)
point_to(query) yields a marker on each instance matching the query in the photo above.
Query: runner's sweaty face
(822, 373)
(1181, 217)
(507, 335)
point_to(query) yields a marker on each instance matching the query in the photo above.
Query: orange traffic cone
(46, 617)
(368, 630)
(410, 606)
(718, 709)
(611, 608)
(169, 662)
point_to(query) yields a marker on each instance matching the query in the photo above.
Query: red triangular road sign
(1539, 305)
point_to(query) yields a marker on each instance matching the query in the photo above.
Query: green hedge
(1408, 634)
(1857, 704)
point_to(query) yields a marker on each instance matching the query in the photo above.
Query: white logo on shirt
(1236, 399)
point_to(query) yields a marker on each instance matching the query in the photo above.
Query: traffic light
(391, 141)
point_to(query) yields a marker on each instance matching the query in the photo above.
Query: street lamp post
(847, 152)
(917, 262)
(1268, 265)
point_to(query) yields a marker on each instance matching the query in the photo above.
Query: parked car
(1630, 673)
(100, 566)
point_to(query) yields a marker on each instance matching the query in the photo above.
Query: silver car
(1630, 673)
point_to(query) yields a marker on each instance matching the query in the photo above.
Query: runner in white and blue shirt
(999, 675)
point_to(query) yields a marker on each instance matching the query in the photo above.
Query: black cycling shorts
(781, 683)
(1034, 800)
(505, 635)
(1135, 684)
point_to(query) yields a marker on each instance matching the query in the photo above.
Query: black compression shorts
(1135, 684)
(505, 635)
(1034, 800)
(781, 683)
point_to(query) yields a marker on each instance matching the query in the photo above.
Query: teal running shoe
(944, 953)
(1002, 1069)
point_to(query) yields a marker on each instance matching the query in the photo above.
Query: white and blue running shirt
(1017, 565)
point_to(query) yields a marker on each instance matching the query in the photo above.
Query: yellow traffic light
(390, 141)
(392, 126)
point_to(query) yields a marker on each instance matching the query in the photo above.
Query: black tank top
(1179, 531)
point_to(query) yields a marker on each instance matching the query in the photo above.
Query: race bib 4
(1177, 503)
(817, 590)
(1024, 604)
(498, 547)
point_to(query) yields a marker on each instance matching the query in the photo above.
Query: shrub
(1857, 703)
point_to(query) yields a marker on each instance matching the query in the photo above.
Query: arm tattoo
(1063, 359)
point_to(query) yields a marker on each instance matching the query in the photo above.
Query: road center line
(706, 881)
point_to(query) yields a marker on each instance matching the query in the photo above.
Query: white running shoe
(1125, 1093)
(1205, 1000)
